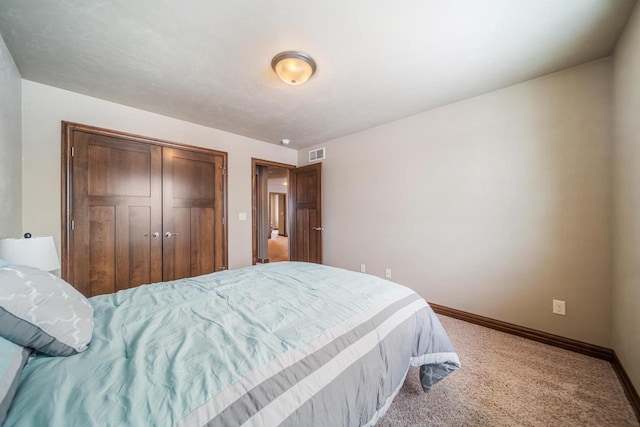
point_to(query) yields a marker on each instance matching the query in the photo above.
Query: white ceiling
(208, 62)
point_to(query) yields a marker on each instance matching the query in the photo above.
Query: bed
(277, 344)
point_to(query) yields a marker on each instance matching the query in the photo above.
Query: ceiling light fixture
(293, 68)
(285, 141)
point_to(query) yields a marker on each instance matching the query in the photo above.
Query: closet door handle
(318, 228)
(168, 234)
(154, 235)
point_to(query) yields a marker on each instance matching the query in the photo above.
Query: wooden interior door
(117, 208)
(306, 205)
(193, 213)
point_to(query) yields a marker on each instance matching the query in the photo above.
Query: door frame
(68, 128)
(254, 192)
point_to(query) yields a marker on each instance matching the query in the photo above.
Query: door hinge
(73, 151)
(223, 220)
(224, 170)
(73, 225)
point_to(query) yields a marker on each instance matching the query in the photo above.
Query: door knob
(318, 228)
(154, 235)
(168, 234)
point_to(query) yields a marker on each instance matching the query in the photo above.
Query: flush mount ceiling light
(293, 68)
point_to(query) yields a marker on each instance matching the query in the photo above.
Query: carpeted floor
(279, 249)
(511, 381)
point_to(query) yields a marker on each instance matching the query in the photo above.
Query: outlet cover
(559, 307)
(387, 273)
(363, 268)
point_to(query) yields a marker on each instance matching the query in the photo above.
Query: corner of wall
(11, 147)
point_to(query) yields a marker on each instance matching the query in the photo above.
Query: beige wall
(626, 233)
(275, 186)
(45, 107)
(10, 146)
(494, 205)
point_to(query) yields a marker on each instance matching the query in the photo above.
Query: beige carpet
(279, 249)
(511, 381)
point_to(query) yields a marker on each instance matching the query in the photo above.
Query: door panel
(192, 179)
(138, 249)
(192, 208)
(302, 235)
(121, 171)
(315, 237)
(306, 229)
(202, 243)
(177, 248)
(102, 249)
(116, 205)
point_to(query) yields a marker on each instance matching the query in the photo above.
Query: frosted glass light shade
(39, 252)
(293, 68)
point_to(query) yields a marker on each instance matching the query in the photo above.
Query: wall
(44, 107)
(276, 187)
(626, 196)
(494, 205)
(10, 146)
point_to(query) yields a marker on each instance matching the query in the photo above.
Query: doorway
(270, 211)
(286, 212)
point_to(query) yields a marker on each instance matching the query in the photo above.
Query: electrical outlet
(363, 268)
(559, 307)
(387, 273)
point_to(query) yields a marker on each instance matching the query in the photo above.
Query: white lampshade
(39, 252)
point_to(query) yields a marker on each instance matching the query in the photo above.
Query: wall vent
(317, 155)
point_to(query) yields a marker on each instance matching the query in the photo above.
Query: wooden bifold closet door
(192, 188)
(139, 211)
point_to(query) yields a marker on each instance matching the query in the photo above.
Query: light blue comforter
(161, 354)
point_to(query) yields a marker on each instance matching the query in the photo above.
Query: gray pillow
(12, 359)
(43, 312)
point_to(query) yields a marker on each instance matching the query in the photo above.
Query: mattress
(277, 344)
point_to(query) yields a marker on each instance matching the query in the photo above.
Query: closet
(138, 210)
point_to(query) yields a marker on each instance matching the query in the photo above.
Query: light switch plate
(242, 216)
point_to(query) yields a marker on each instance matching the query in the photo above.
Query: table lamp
(39, 252)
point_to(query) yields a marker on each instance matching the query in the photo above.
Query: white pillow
(12, 359)
(43, 312)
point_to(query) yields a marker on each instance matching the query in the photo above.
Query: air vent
(316, 155)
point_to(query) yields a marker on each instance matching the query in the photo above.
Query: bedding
(41, 311)
(12, 359)
(277, 344)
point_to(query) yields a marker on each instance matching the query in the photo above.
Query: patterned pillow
(12, 359)
(43, 312)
